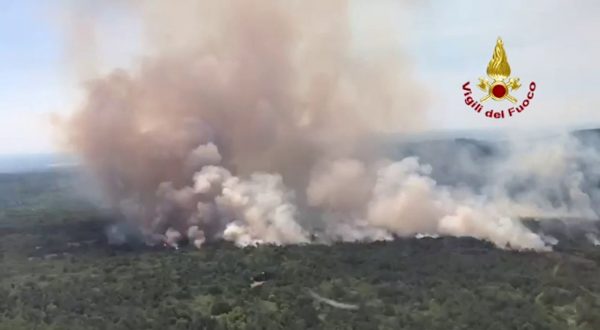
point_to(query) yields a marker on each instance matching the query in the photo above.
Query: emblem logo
(499, 70)
(500, 86)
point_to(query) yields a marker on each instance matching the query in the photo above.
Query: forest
(57, 271)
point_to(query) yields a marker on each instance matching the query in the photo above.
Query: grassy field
(58, 272)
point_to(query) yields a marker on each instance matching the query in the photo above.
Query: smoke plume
(258, 121)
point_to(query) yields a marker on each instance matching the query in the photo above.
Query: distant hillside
(429, 148)
(34, 162)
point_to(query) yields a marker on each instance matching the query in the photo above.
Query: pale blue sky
(32, 80)
(449, 42)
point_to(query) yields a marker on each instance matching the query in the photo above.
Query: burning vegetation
(247, 123)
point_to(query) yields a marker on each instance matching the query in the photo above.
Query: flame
(498, 68)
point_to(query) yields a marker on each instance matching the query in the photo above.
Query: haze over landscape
(241, 141)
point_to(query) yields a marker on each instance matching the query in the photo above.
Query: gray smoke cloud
(259, 122)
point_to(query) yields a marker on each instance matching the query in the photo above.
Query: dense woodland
(58, 272)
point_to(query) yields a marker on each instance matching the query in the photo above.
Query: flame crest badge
(498, 87)
(499, 70)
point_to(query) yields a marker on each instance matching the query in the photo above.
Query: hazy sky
(554, 43)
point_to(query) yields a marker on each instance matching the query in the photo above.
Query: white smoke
(356, 201)
(258, 122)
(259, 210)
(593, 239)
(406, 201)
(554, 177)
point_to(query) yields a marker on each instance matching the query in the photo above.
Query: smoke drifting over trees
(257, 122)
